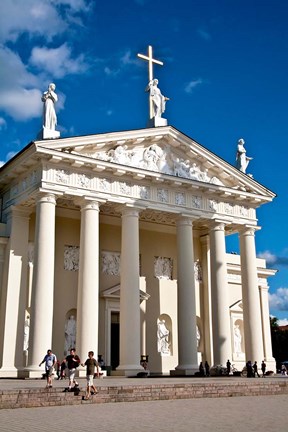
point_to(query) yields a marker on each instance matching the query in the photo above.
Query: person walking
(50, 361)
(207, 368)
(255, 369)
(90, 364)
(73, 361)
(263, 368)
(249, 369)
(228, 366)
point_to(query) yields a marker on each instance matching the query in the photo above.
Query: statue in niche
(26, 333)
(198, 271)
(70, 333)
(158, 100)
(163, 338)
(237, 339)
(242, 160)
(49, 115)
(198, 336)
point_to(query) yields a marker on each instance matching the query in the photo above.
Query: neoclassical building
(116, 243)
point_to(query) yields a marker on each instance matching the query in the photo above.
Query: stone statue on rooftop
(242, 160)
(49, 98)
(158, 100)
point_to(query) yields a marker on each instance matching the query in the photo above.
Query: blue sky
(225, 71)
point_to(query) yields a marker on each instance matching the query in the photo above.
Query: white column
(219, 295)
(250, 295)
(206, 299)
(187, 334)
(14, 293)
(130, 295)
(267, 342)
(42, 301)
(88, 281)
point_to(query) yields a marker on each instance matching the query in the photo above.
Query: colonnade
(88, 289)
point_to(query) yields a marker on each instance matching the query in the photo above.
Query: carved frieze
(163, 267)
(155, 158)
(125, 188)
(83, 180)
(71, 258)
(162, 195)
(196, 201)
(62, 176)
(110, 263)
(180, 198)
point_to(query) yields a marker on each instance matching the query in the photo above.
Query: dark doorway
(115, 332)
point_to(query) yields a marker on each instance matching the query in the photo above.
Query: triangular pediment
(237, 306)
(114, 292)
(162, 151)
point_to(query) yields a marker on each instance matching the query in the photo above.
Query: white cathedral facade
(116, 243)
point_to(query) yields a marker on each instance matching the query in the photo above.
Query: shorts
(49, 371)
(71, 374)
(90, 380)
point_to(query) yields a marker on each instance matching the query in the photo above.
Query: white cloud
(3, 123)
(21, 104)
(127, 59)
(283, 322)
(46, 18)
(204, 34)
(268, 256)
(58, 62)
(192, 85)
(279, 300)
(110, 72)
(274, 260)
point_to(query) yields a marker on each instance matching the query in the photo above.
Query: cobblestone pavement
(238, 414)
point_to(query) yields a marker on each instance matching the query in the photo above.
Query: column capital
(218, 225)
(47, 197)
(185, 220)
(130, 211)
(248, 230)
(88, 204)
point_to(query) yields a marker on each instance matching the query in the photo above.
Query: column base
(128, 370)
(9, 372)
(184, 370)
(31, 372)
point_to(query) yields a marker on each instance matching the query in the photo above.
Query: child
(90, 364)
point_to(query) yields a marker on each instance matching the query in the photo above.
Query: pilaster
(267, 342)
(14, 292)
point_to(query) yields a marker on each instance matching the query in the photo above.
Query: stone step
(34, 397)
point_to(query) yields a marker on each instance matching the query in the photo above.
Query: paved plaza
(249, 414)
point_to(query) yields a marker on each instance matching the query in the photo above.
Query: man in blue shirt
(50, 361)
